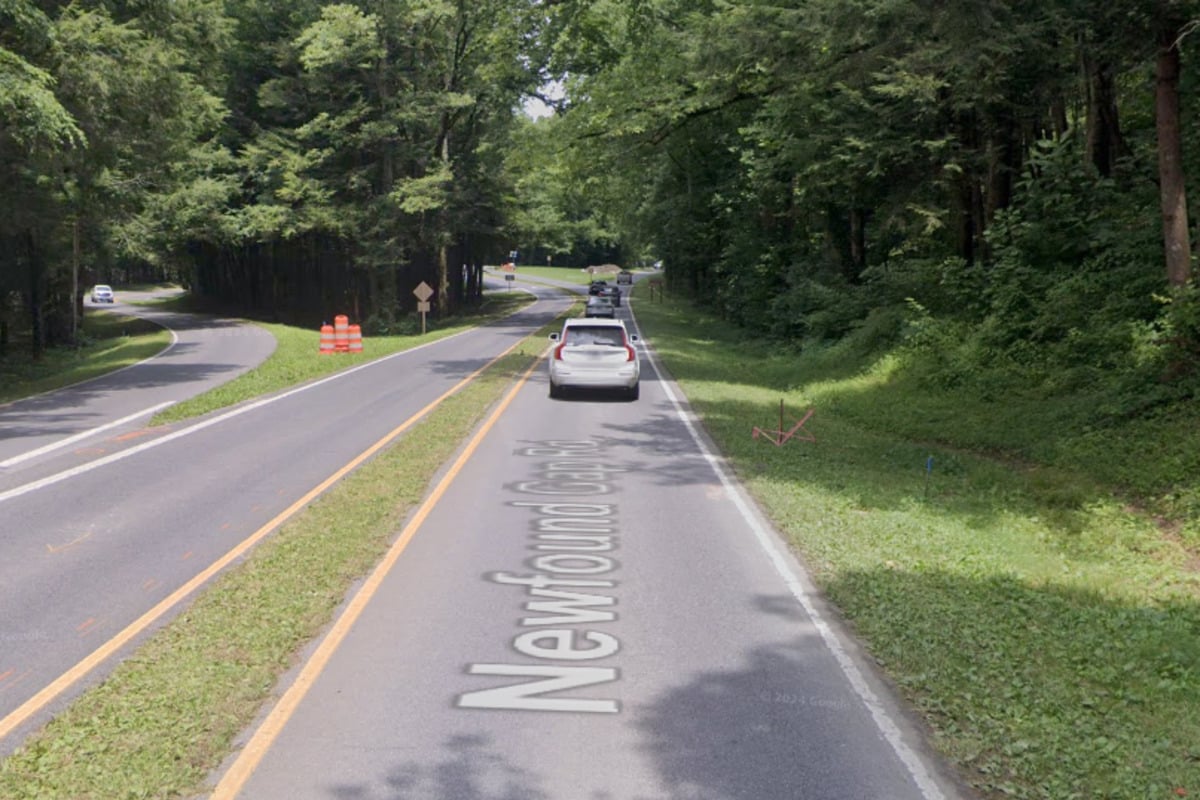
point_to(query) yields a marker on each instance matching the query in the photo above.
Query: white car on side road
(594, 353)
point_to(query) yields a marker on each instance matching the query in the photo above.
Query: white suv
(102, 294)
(594, 354)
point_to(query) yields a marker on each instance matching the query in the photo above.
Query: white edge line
(70, 440)
(887, 726)
(199, 426)
(174, 341)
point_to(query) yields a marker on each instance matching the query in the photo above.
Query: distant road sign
(423, 291)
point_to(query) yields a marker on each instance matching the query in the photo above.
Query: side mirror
(633, 337)
(554, 337)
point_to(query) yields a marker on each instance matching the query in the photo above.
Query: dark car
(613, 293)
(596, 287)
(600, 307)
(625, 277)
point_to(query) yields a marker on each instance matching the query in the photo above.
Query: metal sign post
(423, 292)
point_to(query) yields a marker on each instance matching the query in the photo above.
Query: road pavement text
(569, 584)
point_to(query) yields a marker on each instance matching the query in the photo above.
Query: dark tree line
(1016, 171)
(286, 158)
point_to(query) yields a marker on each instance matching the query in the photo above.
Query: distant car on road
(594, 354)
(103, 294)
(596, 287)
(613, 293)
(625, 277)
(600, 307)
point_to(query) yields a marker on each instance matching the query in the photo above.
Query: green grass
(1045, 627)
(1047, 630)
(297, 358)
(108, 342)
(167, 717)
(567, 274)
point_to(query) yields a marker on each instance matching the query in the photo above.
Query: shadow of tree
(874, 472)
(469, 772)
(784, 726)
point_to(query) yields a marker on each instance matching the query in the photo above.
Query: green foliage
(945, 287)
(26, 95)
(344, 38)
(809, 309)
(34, 118)
(106, 342)
(1021, 591)
(1176, 344)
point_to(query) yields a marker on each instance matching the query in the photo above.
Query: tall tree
(1176, 236)
(36, 131)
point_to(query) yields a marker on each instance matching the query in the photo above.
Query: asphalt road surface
(586, 608)
(204, 352)
(102, 540)
(591, 610)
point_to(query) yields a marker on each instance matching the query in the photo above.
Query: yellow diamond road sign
(423, 291)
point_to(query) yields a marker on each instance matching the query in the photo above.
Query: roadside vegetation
(297, 359)
(958, 233)
(107, 341)
(1037, 611)
(168, 715)
(1021, 565)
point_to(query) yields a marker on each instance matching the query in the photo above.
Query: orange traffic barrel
(327, 343)
(355, 335)
(341, 333)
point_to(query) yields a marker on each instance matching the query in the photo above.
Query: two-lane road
(100, 542)
(588, 606)
(591, 610)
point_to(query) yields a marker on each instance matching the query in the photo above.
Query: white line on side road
(887, 726)
(174, 341)
(70, 440)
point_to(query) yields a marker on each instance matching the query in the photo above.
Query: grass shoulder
(168, 716)
(297, 357)
(1048, 632)
(108, 341)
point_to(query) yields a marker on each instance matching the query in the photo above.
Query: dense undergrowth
(1060, 345)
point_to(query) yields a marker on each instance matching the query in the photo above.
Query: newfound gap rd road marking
(256, 748)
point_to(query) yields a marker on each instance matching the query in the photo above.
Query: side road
(204, 352)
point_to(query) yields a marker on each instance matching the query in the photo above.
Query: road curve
(128, 527)
(205, 352)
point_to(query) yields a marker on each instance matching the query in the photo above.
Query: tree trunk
(443, 258)
(1170, 160)
(1004, 164)
(36, 310)
(858, 243)
(1104, 142)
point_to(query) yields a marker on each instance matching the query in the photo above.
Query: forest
(1000, 186)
